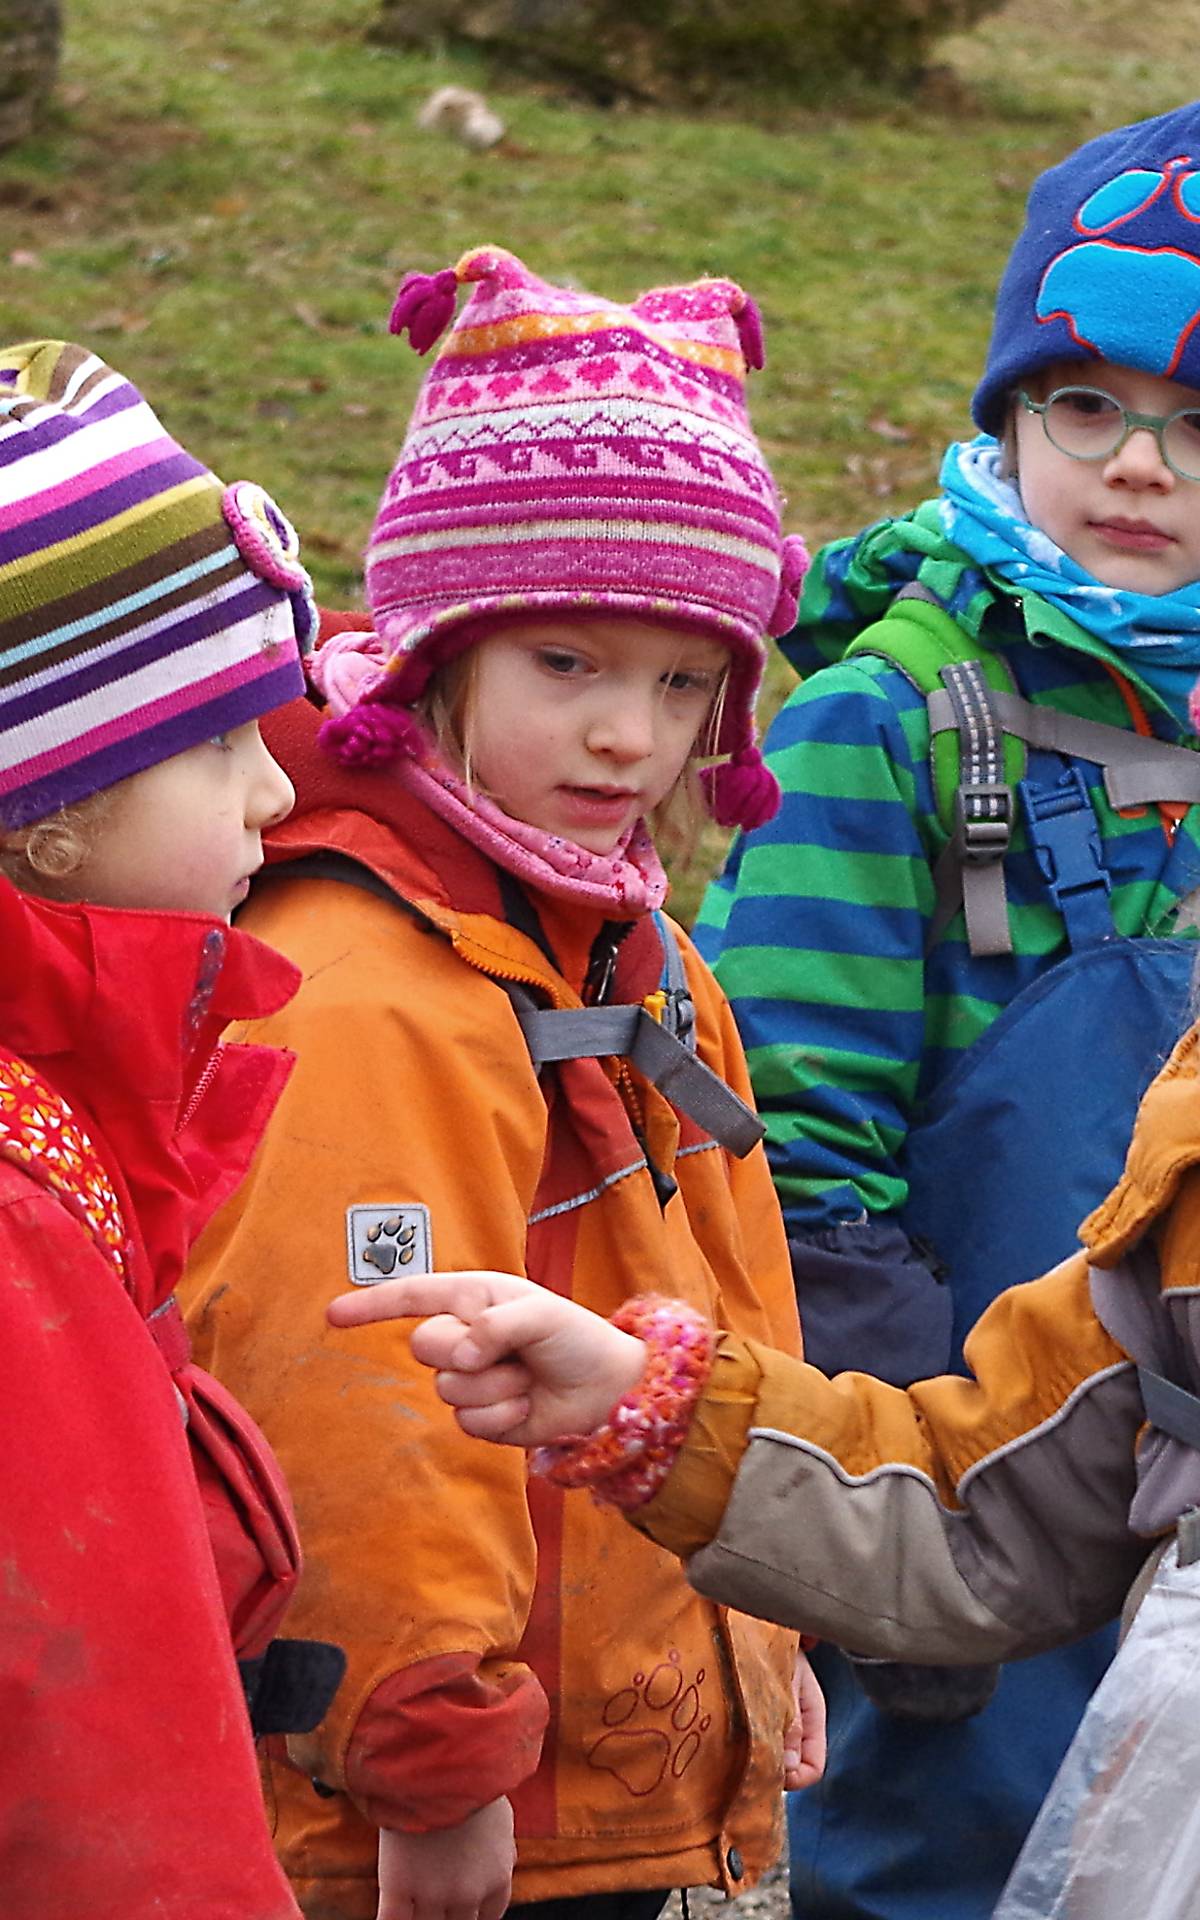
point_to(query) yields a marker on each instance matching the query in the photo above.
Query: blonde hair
(40, 857)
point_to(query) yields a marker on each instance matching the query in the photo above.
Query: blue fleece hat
(1108, 263)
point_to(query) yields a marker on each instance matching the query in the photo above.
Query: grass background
(227, 196)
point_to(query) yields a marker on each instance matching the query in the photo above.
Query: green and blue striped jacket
(817, 928)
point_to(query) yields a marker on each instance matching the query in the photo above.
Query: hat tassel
(371, 735)
(743, 792)
(793, 565)
(425, 305)
(748, 321)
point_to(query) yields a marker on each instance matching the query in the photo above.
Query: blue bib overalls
(1019, 1142)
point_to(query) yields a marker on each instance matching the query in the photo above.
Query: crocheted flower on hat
(270, 546)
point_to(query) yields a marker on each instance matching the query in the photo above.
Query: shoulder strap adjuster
(985, 820)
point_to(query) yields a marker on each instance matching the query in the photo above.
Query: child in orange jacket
(507, 1055)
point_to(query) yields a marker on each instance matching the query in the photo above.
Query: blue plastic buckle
(1065, 840)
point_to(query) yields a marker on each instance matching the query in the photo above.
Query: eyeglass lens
(1090, 425)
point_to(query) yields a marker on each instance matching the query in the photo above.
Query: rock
(464, 115)
(681, 51)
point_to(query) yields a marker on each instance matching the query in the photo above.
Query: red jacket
(127, 1773)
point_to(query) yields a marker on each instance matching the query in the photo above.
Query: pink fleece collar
(622, 884)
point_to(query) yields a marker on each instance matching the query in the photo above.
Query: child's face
(184, 835)
(580, 725)
(1128, 520)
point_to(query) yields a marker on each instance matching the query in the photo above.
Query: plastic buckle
(985, 817)
(1065, 837)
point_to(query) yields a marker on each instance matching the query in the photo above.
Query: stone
(681, 51)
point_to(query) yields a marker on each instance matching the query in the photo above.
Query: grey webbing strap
(1139, 770)
(971, 865)
(1174, 1411)
(630, 1033)
(1170, 1408)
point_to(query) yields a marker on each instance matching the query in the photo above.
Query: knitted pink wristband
(625, 1461)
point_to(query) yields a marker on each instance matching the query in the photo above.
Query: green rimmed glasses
(1086, 423)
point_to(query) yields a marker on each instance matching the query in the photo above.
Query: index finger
(466, 1293)
(424, 1294)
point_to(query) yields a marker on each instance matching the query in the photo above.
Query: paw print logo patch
(387, 1241)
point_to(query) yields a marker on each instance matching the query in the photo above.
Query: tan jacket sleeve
(960, 1520)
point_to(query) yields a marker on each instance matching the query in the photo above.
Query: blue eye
(558, 660)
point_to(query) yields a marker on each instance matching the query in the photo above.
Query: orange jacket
(471, 1603)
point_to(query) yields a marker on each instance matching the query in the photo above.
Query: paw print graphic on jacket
(657, 1723)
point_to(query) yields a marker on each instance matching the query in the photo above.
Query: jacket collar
(121, 1012)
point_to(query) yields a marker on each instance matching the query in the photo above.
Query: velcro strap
(629, 1032)
(290, 1687)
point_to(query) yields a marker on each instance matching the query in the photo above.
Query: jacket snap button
(735, 1864)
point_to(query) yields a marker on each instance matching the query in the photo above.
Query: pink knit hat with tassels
(569, 453)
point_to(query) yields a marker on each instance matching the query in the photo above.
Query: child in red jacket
(148, 617)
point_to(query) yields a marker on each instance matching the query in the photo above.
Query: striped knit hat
(144, 607)
(567, 453)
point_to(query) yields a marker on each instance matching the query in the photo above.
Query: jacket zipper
(201, 1087)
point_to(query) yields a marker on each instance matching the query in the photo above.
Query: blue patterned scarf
(1159, 634)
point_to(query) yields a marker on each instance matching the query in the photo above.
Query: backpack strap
(976, 764)
(1169, 1407)
(657, 1037)
(980, 729)
(672, 1006)
(633, 1033)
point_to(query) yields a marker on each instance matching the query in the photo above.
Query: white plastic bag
(1118, 1837)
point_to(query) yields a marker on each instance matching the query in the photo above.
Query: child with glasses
(960, 950)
